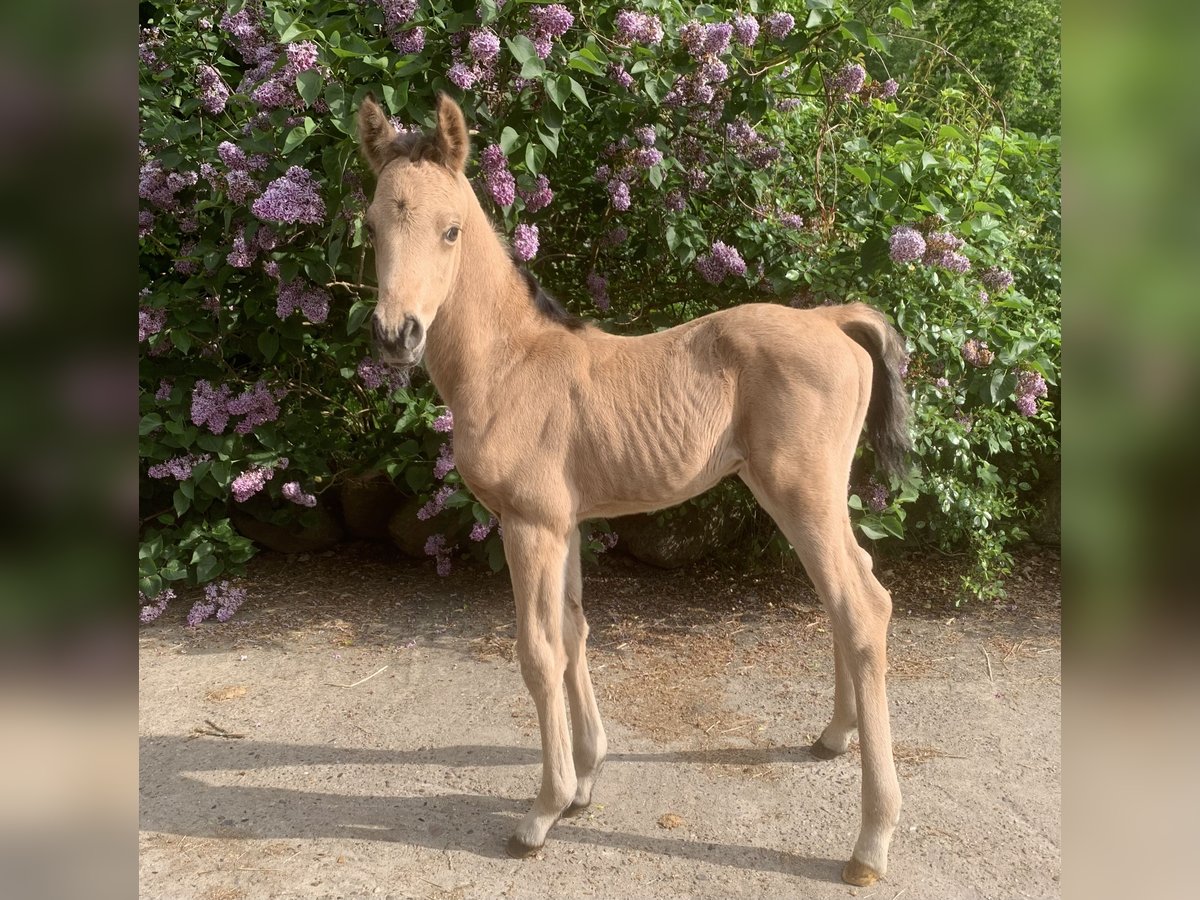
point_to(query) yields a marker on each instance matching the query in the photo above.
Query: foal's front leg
(537, 557)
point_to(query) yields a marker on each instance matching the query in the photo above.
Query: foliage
(674, 159)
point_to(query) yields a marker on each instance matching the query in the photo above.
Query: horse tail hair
(888, 413)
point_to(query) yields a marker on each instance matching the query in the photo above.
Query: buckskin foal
(556, 422)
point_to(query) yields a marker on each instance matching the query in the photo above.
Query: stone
(368, 504)
(685, 535)
(409, 533)
(310, 531)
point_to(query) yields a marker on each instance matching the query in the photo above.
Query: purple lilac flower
(779, 25)
(791, 220)
(647, 157)
(240, 185)
(209, 406)
(293, 197)
(293, 492)
(946, 259)
(616, 236)
(607, 539)
(976, 353)
(597, 285)
(787, 104)
(159, 187)
(298, 294)
(463, 76)
(723, 260)
(848, 80)
(435, 545)
(436, 503)
(997, 279)
(674, 201)
(152, 607)
(906, 243)
(151, 38)
(214, 93)
(164, 390)
(484, 45)
(375, 375)
(703, 40)
(242, 254)
(500, 182)
(1030, 386)
(984, 299)
(540, 197)
(876, 496)
(227, 597)
(247, 32)
(397, 12)
(445, 461)
(941, 384)
(553, 20)
(258, 406)
(410, 40)
(618, 75)
(444, 424)
(151, 320)
(618, 192)
(745, 30)
(480, 530)
(638, 28)
(525, 242)
(179, 467)
(251, 482)
(888, 89)
(301, 56)
(645, 135)
(145, 222)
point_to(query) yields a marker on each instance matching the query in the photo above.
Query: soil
(361, 729)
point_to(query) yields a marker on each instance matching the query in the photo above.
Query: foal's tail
(887, 415)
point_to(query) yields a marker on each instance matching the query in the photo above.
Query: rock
(1046, 527)
(310, 531)
(368, 505)
(685, 535)
(409, 533)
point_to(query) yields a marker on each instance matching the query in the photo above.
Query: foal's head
(415, 220)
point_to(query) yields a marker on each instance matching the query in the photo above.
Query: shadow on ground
(175, 801)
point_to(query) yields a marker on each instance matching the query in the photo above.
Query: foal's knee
(542, 663)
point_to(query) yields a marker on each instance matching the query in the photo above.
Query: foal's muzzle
(402, 347)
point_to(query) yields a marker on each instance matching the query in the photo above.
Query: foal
(556, 422)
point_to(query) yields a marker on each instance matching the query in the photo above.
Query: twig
(989, 664)
(897, 895)
(215, 730)
(357, 683)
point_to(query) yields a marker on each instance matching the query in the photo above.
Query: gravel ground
(361, 730)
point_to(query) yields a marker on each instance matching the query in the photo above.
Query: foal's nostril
(377, 332)
(412, 333)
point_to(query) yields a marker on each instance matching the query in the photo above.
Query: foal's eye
(451, 234)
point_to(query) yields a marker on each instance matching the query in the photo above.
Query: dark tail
(887, 415)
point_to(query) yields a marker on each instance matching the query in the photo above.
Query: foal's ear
(451, 138)
(376, 136)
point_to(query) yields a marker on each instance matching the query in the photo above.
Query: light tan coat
(557, 422)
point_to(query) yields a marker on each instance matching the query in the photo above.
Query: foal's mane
(547, 305)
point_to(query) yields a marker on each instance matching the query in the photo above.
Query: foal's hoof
(575, 809)
(518, 849)
(859, 874)
(820, 751)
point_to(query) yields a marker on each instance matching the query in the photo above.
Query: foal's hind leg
(814, 519)
(835, 739)
(537, 557)
(587, 731)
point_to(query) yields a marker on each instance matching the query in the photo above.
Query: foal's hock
(556, 422)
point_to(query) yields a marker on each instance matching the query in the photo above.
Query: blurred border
(1131, 532)
(68, 377)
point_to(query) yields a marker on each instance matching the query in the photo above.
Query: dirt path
(712, 687)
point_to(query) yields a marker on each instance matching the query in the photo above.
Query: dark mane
(547, 305)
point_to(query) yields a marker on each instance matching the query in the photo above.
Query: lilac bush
(648, 164)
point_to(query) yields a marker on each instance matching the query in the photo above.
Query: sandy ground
(266, 771)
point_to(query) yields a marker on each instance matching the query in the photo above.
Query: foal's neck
(481, 328)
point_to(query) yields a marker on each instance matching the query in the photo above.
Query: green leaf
(535, 158)
(584, 64)
(533, 68)
(294, 139)
(149, 422)
(578, 91)
(550, 141)
(860, 173)
(558, 89)
(950, 132)
(509, 140)
(521, 48)
(268, 343)
(358, 314)
(655, 176)
(308, 85)
(902, 15)
(180, 502)
(208, 568)
(874, 533)
(856, 30)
